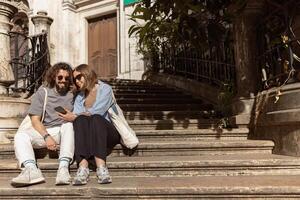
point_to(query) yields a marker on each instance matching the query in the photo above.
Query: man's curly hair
(49, 80)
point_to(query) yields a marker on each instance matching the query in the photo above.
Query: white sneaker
(63, 176)
(28, 176)
(103, 175)
(82, 176)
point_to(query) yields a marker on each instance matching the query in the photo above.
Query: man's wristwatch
(46, 135)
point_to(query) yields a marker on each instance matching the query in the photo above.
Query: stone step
(204, 187)
(145, 91)
(175, 166)
(158, 101)
(128, 81)
(160, 115)
(134, 84)
(152, 120)
(179, 147)
(163, 107)
(151, 95)
(171, 124)
(140, 86)
(187, 134)
(199, 134)
(200, 147)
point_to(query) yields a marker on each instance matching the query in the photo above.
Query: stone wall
(64, 41)
(279, 121)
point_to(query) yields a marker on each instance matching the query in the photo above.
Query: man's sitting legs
(24, 152)
(24, 144)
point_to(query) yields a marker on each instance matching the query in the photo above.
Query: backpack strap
(44, 106)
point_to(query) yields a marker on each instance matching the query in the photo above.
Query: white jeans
(25, 142)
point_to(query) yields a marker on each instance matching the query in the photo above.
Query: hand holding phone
(60, 110)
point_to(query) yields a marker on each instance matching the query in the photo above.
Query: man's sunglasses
(60, 77)
(78, 77)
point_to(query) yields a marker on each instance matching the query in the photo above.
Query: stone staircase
(182, 155)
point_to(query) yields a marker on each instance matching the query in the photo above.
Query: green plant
(179, 23)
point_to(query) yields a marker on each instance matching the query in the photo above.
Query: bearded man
(53, 132)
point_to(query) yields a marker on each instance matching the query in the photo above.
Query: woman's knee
(98, 119)
(81, 118)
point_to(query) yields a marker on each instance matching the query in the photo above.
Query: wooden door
(102, 44)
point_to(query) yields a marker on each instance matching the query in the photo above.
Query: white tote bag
(128, 136)
(26, 123)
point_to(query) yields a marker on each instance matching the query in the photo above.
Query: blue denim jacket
(104, 100)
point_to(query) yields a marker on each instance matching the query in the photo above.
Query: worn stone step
(128, 81)
(158, 101)
(187, 134)
(199, 134)
(140, 86)
(144, 91)
(154, 120)
(151, 95)
(162, 107)
(204, 187)
(201, 147)
(179, 147)
(218, 165)
(160, 115)
(174, 124)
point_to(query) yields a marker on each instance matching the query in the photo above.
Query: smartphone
(60, 110)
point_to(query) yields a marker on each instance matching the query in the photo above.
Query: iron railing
(279, 65)
(278, 45)
(214, 65)
(30, 60)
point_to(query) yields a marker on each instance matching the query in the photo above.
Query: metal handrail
(30, 66)
(193, 65)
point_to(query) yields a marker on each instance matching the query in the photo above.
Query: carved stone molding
(41, 22)
(81, 3)
(68, 5)
(7, 8)
(22, 7)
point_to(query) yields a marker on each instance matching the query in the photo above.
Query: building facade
(93, 32)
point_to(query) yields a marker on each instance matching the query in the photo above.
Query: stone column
(67, 47)
(42, 23)
(122, 67)
(7, 10)
(247, 73)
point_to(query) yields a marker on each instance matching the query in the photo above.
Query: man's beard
(62, 90)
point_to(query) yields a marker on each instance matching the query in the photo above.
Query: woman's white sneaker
(103, 175)
(82, 176)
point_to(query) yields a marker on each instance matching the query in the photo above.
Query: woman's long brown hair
(90, 77)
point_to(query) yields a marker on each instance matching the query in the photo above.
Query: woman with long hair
(95, 135)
